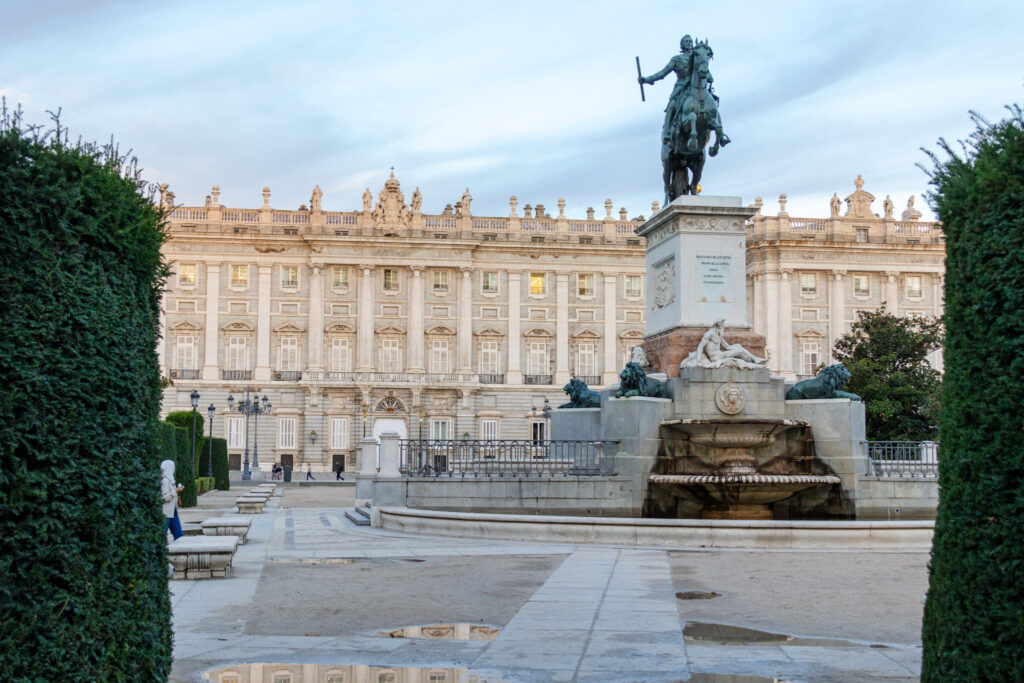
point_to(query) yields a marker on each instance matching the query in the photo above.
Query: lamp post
(546, 414)
(209, 451)
(257, 410)
(251, 406)
(194, 396)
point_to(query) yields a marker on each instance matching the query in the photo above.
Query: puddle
(332, 673)
(723, 634)
(445, 632)
(698, 595)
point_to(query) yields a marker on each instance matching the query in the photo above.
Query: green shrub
(83, 562)
(204, 484)
(220, 464)
(974, 615)
(168, 442)
(183, 420)
(183, 468)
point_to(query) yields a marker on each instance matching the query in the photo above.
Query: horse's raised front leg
(691, 120)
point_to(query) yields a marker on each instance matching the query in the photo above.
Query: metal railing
(492, 379)
(183, 374)
(902, 458)
(236, 375)
(499, 458)
(537, 379)
(589, 380)
(288, 375)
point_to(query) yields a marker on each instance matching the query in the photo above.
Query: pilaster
(892, 292)
(561, 329)
(212, 343)
(364, 322)
(262, 371)
(785, 364)
(837, 310)
(771, 282)
(315, 352)
(414, 338)
(464, 332)
(610, 375)
(514, 373)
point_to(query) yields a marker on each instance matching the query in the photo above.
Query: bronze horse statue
(683, 157)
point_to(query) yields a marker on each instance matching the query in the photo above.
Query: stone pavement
(312, 587)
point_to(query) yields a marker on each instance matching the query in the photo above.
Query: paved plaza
(311, 587)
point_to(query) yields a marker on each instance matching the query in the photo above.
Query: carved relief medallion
(665, 284)
(730, 398)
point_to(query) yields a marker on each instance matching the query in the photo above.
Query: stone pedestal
(576, 424)
(667, 349)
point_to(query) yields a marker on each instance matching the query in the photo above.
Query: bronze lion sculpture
(580, 396)
(825, 385)
(635, 382)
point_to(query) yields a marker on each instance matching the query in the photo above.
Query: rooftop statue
(714, 352)
(691, 115)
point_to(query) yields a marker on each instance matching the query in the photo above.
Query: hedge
(83, 563)
(204, 484)
(183, 420)
(183, 471)
(974, 615)
(220, 464)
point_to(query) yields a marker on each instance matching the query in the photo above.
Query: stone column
(785, 363)
(212, 343)
(513, 371)
(561, 329)
(464, 332)
(836, 311)
(759, 304)
(892, 292)
(364, 322)
(611, 374)
(414, 337)
(262, 372)
(771, 284)
(315, 355)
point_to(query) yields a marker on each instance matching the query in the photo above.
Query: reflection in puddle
(723, 634)
(331, 673)
(445, 632)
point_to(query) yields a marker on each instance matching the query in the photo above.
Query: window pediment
(810, 334)
(586, 334)
(390, 329)
(185, 326)
(632, 334)
(288, 327)
(238, 327)
(490, 332)
(538, 332)
(441, 330)
(340, 328)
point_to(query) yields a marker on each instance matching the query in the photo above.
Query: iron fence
(902, 458)
(499, 458)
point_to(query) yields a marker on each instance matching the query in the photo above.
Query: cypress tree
(183, 468)
(974, 615)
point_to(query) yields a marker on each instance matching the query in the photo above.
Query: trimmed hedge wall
(974, 616)
(204, 484)
(220, 464)
(183, 471)
(83, 562)
(183, 420)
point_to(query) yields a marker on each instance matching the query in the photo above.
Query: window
(340, 355)
(339, 433)
(537, 284)
(339, 277)
(537, 239)
(436, 677)
(629, 353)
(239, 276)
(387, 677)
(185, 352)
(632, 243)
(282, 678)
(440, 278)
(490, 238)
(586, 240)
(489, 430)
(489, 283)
(538, 358)
(289, 276)
(439, 355)
(390, 356)
(809, 284)
(236, 432)
(335, 678)
(586, 359)
(633, 285)
(538, 432)
(288, 354)
(489, 358)
(585, 285)
(810, 357)
(440, 429)
(286, 432)
(913, 285)
(390, 280)
(238, 353)
(861, 285)
(862, 234)
(187, 274)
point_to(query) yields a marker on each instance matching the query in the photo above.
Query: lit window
(913, 285)
(288, 354)
(633, 285)
(185, 352)
(440, 280)
(236, 435)
(340, 354)
(286, 432)
(289, 276)
(809, 283)
(439, 356)
(339, 433)
(238, 353)
(390, 280)
(586, 359)
(585, 285)
(537, 284)
(187, 274)
(339, 277)
(489, 357)
(489, 283)
(489, 430)
(861, 285)
(811, 352)
(390, 356)
(240, 276)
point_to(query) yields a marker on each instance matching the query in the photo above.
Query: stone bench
(201, 557)
(250, 505)
(260, 493)
(228, 525)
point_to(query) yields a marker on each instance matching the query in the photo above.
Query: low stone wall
(672, 533)
(896, 498)
(612, 495)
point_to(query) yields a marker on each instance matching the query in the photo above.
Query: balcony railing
(288, 375)
(236, 375)
(537, 379)
(391, 377)
(589, 380)
(183, 374)
(902, 458)
(499, 458)
(492, 379)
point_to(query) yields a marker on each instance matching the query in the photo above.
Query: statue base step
(666, 349)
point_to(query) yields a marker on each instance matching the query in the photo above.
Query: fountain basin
(739, 496)
(739, 433)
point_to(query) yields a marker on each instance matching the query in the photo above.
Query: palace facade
(453, 325)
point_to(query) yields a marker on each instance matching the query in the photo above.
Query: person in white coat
(170, 490)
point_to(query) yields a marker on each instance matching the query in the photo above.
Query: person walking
(169, 491)
(341, 468)
(309, 473)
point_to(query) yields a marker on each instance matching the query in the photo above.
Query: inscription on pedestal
(713, 277)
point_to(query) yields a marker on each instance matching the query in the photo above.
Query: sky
(533, 99)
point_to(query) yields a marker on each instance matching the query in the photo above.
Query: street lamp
(546, 414)
(251, 406)
(209, 451)
(195, 404)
